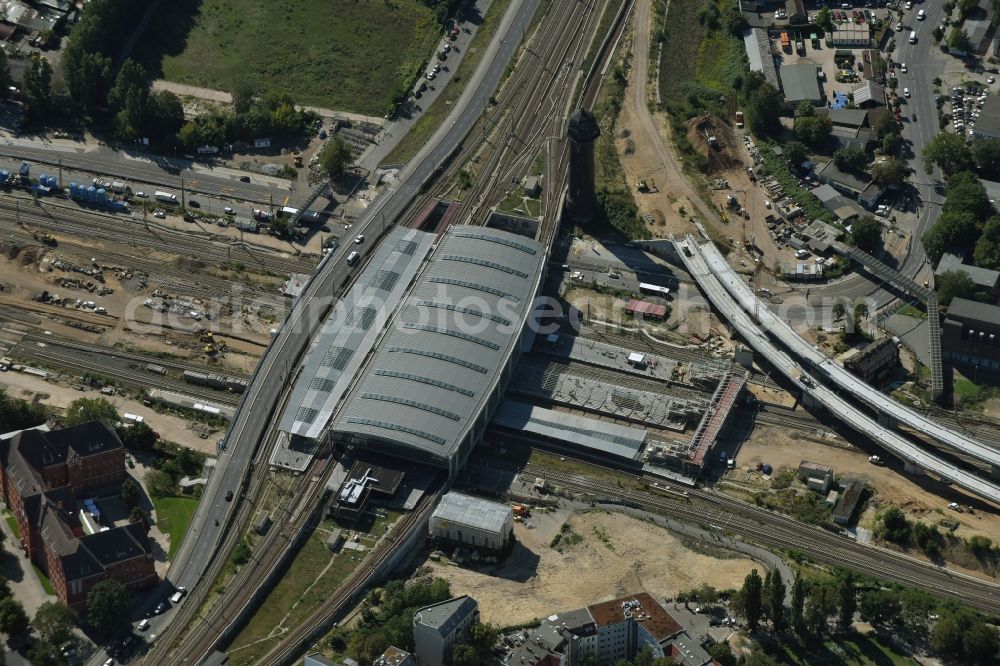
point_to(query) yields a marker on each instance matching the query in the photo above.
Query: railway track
(169, 362)
(70, 220)
(725, 514)
(84, 362)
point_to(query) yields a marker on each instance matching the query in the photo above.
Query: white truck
(165, 197)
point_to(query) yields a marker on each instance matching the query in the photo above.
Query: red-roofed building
(627, 626)
(646, 309)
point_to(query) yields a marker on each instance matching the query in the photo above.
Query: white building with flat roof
(436, 628)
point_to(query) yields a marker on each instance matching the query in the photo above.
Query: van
(913, 36)
(352, 258)
(143, 625)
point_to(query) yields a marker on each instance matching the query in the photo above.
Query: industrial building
(988, 123)
(436, 628)
(876, 362)
(800, 83)
(817, 477)
(970, 338)
(473, 522)
(608, 633)
(847, 505)
(987, 281)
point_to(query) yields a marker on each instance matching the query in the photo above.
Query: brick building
(970, 338)
(42, 475)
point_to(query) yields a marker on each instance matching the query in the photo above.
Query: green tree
(6, 81)
(164, 116)
(948, 152)
(894, 526)
(987, 251)
(44, 654)
(54, 622)
(751, 598)
(244, 93)
(131, 76)
(758, 657)
(952, 232)
(760, 110)
(860, 312)
(805, 109)
(890, 172)
(483, 636)
(838, 310)
(866, 234)
(948, 635)
(955, 284)
(87, 76)
(107, 607)
(879, 607)
(83, 410)
(18, 414)
(776, 601)
(980, 643)
(850, 158)
(824, 20)
(36, 87)
(131, 492)
(822, 604)
(335, 157)
(986, 153)
(958, 40)
(188, 461)
(160, 483)
(138, 436)
(464, 655)
(137, 515)
(848, 603)
(796, 153)
(722, 653)
(13, 619)
(798, 605)
(813, 130)
(966, 194)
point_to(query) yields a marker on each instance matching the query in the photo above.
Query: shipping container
(118, 187)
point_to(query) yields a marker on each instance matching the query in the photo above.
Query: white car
(141, 195)
(360, 239)
(906, 92)
(909, 5)
(899, 27)
(160, 213)
(902, 67)
(991, 80)
(921, 15)
(229, 210)
(430, 75)
(767, 204)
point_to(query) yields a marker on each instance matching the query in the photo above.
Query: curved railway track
(723, 513)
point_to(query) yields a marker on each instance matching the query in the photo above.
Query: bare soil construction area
(612, 555)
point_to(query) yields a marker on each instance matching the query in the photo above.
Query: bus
(653, 289)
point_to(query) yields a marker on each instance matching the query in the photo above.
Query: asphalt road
(924, 63)
(258, 408)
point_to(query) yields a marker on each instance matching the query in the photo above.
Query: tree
(894, 526)
(878, 607)
(805, 109)
(18, 414)
(87, 76)
(987, 251)
(890, 172)
(955, 284)
(848, 603)
(776, 601)
(860, 312)
(6, 81)
(334, 157)
(838, 310)
(188, 462)
(160, 483)
(138, 436)
(131, 492)
(958, 40)
(986, 153)
(83, 410)
(796, 153)
(952, 232)
(13, 619)
(722, 653)
(798, 605)
(850, 158)
(36, 87)
(948, 635)
(464, 655)
(54, 622)
(758, 657)
(948, 152)
(824, 19)
(866, 234)
(244, 93)
(164, 116)
(822, 604)
(966, 194)
(45, 654)
(483, 637)
(137, 515)
(761, 108)
(751, 598)
(812, 130)
(980, 643)
(107, 606)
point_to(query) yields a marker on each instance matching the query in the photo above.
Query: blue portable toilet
(91, 194)
(102, 196)
(53, 181)
(72, 191)
(43, 180)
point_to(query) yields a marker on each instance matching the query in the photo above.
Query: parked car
(229, 210)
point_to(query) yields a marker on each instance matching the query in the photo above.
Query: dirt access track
(617, 555)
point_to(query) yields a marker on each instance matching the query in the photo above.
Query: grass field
(291, 599)
(12, 524)
(855, 650)
(682, 35)
(338, 54)
(172, 517)
(46, 583)
(435, 114)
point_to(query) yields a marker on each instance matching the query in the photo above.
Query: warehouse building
(472, 521)
(800, 83)
(436, 628)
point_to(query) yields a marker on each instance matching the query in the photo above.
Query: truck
(786, 43)
(165, 197)
(739, 120)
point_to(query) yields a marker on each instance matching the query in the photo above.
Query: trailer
(165, 197)
(119, 187)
